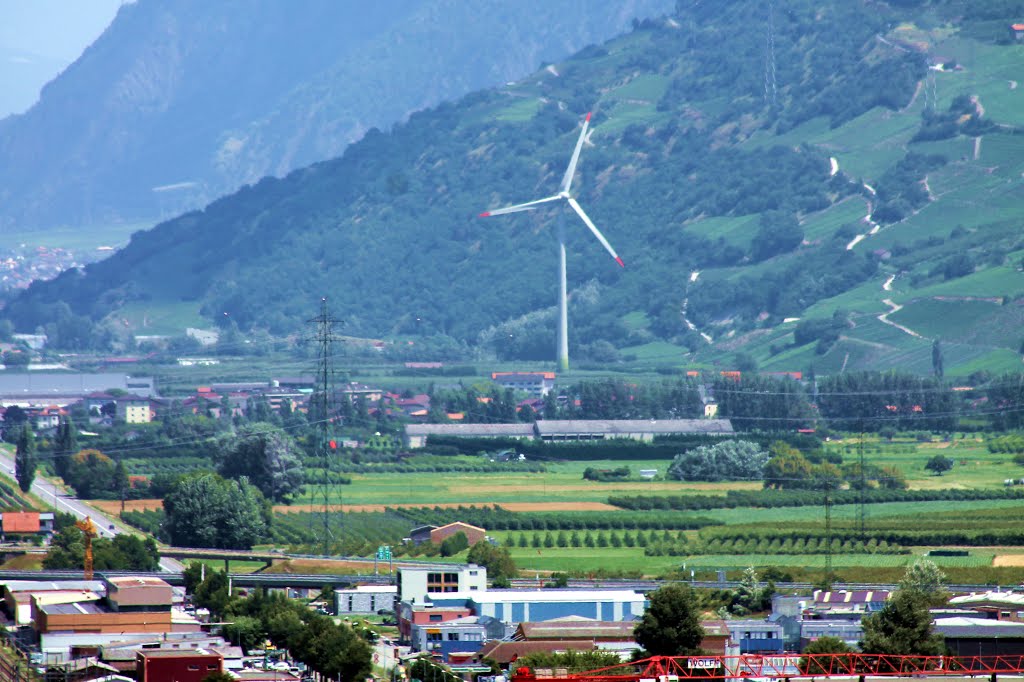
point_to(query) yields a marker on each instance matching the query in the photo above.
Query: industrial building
(554, 430)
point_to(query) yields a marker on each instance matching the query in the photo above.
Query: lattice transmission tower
(324, 523)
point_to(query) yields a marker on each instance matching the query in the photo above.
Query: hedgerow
(802, 498)
(497, 518)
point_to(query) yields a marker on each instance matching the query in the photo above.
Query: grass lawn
(566, 559)
(563, 482)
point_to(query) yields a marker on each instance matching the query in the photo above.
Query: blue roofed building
(517, 606)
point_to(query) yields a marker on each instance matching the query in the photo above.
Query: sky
(39, 38)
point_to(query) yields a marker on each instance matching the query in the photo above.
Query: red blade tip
(485, 214)
(588, 115)
(619, 261)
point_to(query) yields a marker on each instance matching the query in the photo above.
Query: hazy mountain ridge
(199, 98)
(691, 169)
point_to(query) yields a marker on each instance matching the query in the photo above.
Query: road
(61, 501)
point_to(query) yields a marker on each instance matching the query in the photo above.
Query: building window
(453, 636)
(211, 666)
(433, 636)
(193, 667)
(435, 618)
(442, 582)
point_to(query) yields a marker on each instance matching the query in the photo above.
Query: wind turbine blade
(571, 170)
(528, 206)
(597, 233)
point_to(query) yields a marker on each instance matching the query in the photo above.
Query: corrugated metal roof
(506, 652)
(75, 608)
(994, 598)
(627, 426)
(978, 627)
(68, 597)
(521, 430)
(545, 595)
(576, 628)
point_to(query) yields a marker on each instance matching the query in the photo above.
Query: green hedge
(496, 518)
(803, 498)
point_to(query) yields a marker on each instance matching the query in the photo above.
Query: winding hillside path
(867, 219)
(686, 301)
(884, 318)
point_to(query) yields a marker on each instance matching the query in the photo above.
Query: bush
(730, 460)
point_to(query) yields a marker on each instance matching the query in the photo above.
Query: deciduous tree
(267, 456)
(939, 464)
(903, 626)
(671, 625)
(205, 510)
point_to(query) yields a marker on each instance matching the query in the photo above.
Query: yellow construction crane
(88, 529)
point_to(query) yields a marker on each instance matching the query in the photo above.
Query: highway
(61, 501)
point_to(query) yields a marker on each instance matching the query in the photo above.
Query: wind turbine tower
(563, 194)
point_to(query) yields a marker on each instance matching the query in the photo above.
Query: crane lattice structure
(89, 532)
(786, 667)
(322, 414)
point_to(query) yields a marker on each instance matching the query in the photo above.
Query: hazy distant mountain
(180, 101)
(842, 201)
(38, 39)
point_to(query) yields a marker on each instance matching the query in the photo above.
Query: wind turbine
(563, 194)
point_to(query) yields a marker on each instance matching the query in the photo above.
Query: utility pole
(828, 533)
(861, 501)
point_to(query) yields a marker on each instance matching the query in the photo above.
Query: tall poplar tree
(25, 458)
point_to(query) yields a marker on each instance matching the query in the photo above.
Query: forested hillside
(179, 102)
(830, 183)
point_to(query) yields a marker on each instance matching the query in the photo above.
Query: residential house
(354, 390)
(135, 409)
(26, 523)
(45, 418)
(412, 407)
(537, 384)
(1017, 32)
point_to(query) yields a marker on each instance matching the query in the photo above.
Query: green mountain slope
(179, 102)
(783, 222)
